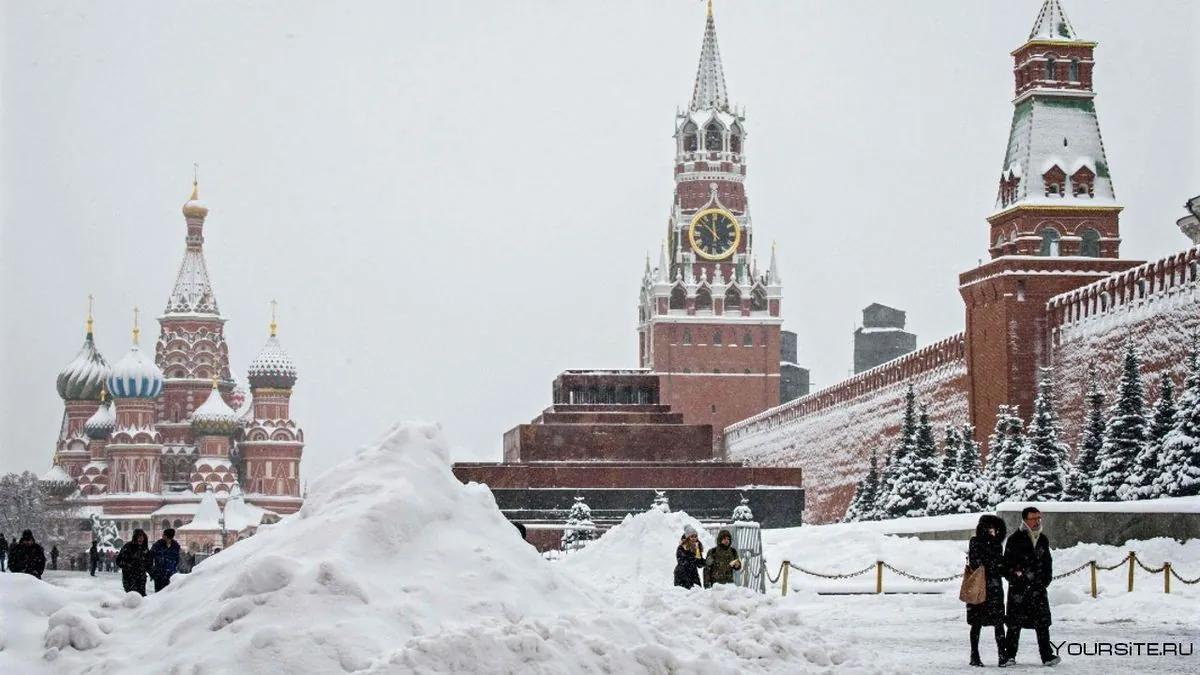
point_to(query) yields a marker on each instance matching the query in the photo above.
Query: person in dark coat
(689, 558)
(3, 551)
(1029, 569)
(54, 557)
(985, 550)
(164, 559)
(721, 561)
(94, 556)
(27, 556)
(134, 561)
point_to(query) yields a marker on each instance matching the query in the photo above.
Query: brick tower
(273, 444)
(1055, 225)
(135, 447)
(709, 318)
(191, 349)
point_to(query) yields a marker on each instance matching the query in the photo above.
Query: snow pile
(641, 549)
(39, 619)
(393, 566)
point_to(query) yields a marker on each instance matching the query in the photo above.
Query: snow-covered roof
(208, 516)
(709, 91)
(102, 422)
(83, 378)
(182, 509)
(135, 376)
(1052, 23)
(214, 415)
(1051, 130)
(192, 293)
(239, 515)
(56, 475)
(272, 367)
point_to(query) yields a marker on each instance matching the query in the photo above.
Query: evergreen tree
(971, 495)
(866, 494)
(1041, 462)
(1141, 482)
(742, 512)
(945, 491)
(1004, 446)
(1087, 460)
(661, 502)
(1180, 473)
(895, 457)
(916, 473)
(579, 527)
(1125, 433)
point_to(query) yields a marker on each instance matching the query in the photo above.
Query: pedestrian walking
(54, 557)
(1029, 568)
(3, 551)
(164, 559)
(27, 556)
(986, 550)
(689, 558)
(722, 561)
(134, 560)
(94, 556)
(110, 560)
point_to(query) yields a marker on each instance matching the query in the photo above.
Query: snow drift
(392, 565)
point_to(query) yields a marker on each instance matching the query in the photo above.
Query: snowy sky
(452, 200)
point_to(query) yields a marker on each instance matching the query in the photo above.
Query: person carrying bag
(982, 588)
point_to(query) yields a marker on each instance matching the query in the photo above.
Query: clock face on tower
(714, 234)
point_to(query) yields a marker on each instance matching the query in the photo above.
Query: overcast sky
(452, 201)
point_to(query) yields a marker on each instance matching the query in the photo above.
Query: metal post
(1093, 578)
(786, 566)
(878, 576)
(1132, 562)
(1166, 577)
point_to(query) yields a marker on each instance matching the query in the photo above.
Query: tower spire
(91, 301)
(274, 325)
(709, 91)
(1052, 23)
(136, 331)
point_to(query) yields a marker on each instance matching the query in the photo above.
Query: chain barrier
(847, 575)
(1189, 582)
(1081, 568)
(1166, 568)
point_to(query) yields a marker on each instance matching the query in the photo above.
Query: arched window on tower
(678, 298)
(691, 138)
(1073, 71)
(758, 300)
(687, 336)
(1050, 239)
(1051, 66)
(1055, 180)
(735, 140)
(704, 300)
(713, 137)
(1089, 244)
(733, 301)
(717, 340)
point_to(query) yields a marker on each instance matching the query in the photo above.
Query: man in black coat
(94, 556)
(27, 556)
(164, 559)
(1029, 569)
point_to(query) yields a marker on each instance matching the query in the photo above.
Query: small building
(794, 381)
(881, 338)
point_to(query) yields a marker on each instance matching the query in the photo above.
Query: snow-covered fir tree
(915, 475)
(661, 502)
(972, 489)
(864, 506)
(1040, 464)
(1006, 443)
(1141, 482)
(1125, 433)
(942, 499)
(742, 512)
(579, 528)
(1087, 459)
(1180, 473)
(897, 454)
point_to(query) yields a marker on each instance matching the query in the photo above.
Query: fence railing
(1131, 561)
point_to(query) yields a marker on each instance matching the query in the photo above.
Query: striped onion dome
(214, 416)
(135, 376)
(272, 368)
(101, 423)
(83, 378)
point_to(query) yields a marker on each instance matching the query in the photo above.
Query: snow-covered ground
(392, 566)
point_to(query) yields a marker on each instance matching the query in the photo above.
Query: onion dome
(272, 368)
(83, 378)
(214, 416)
(56, 476)
(135, 375)
(102, 422)
(193, 207)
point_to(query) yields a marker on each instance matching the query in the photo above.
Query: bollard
(1132, 562)
(1093, 578)
(878, 577)
(786, 566)
(1166, 577)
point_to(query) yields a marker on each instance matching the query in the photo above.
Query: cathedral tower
(709, 317)
(135, 447)
(1055, 224)
(81, 386)
(273, 444)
